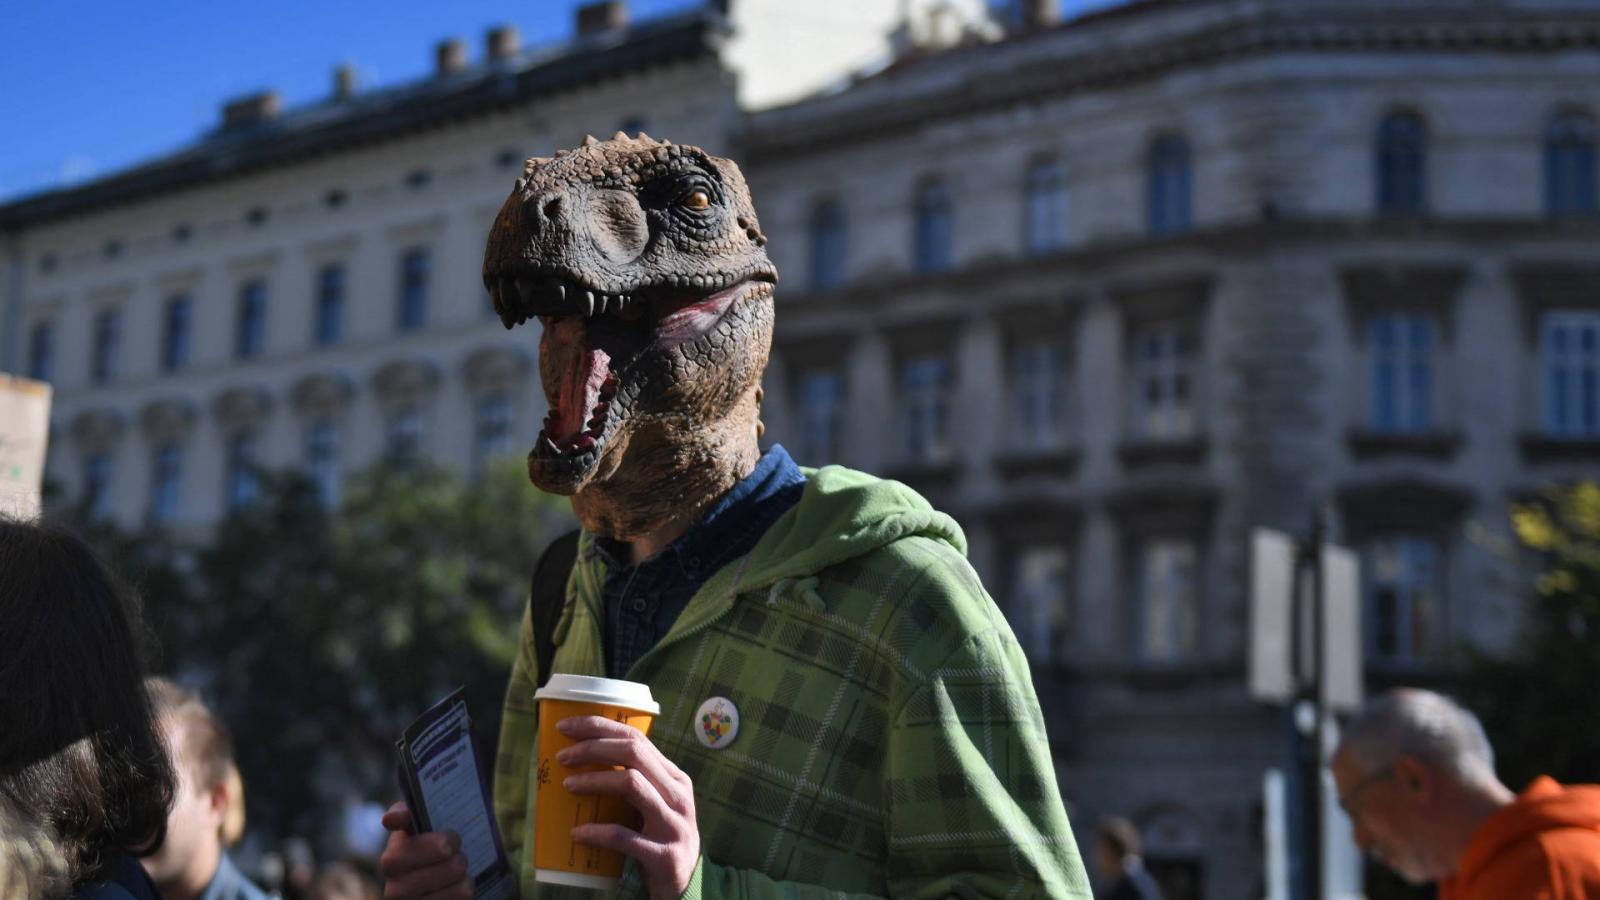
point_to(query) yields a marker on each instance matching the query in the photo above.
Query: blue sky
(93, 87)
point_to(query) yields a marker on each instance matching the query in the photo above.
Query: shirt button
(694, 562)
(639, 604)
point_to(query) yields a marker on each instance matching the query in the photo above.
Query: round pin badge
(717, 722)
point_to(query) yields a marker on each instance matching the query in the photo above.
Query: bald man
(1415, 773)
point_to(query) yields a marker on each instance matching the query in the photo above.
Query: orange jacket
(1544, 846)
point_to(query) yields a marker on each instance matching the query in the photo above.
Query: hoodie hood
(842, 514)
(1545, 806)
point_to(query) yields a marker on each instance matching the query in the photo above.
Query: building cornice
(893, 103)
(381, 116)
(1019, 278)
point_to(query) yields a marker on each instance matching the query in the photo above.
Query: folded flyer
(447, 790)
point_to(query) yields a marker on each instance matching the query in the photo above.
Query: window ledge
(1140, 453)
(1175, 675)
(1062, 462)
(1367, 444)
(925, 474)
(1538, 447)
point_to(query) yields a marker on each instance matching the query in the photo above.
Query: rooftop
(255, 136)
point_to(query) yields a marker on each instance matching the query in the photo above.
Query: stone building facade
(1113, 291)
(1116, 293)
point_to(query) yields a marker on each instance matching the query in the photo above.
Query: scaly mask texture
(645, 266)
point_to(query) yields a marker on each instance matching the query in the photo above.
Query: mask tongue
(583, 368)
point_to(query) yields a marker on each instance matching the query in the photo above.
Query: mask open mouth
(594, 346)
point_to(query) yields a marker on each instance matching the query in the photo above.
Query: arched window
(933, 227)
(1402, 164)
(1569, 166)
(1170, 184)
(1045, 227)
(827, 245)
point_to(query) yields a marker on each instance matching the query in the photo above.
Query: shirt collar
(750, 506)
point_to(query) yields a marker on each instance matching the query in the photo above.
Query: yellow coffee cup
(557, 858)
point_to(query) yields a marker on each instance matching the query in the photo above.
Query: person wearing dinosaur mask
(843, 707)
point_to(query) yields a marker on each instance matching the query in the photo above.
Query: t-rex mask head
(645, 266)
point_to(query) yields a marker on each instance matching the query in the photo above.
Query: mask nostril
(551, 208)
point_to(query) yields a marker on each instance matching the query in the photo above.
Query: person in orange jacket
(1415, 773)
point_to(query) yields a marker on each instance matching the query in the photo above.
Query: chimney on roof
(344, 82)
(606, 15)
(254, 109)
(450, 56)
(1040, 14)
(502, 43)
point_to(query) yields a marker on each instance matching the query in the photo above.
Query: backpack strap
(548, 596)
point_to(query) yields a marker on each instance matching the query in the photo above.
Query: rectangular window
(1404, 595)
(96, 496)
(243, 484)
(1039, 395)
(1164, 358)
(1168, 600)
(1037, 602)
(1569, 350)
(329, 324)
(251, 334)
(413, 309)
(175, 334)
(493, 431)
(933, 228)
(403, 440)
(1400, 359)
(821, 408)
(41, 351)
(322, 460)
(166, 472)
(107, 336)
(1046, 224)
(925, 399)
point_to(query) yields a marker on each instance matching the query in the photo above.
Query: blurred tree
(1537, 702)
(319, 636)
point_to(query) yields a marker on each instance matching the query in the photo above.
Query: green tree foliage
(1538, 702)
(319, 636)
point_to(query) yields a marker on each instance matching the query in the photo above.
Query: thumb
(398, 817)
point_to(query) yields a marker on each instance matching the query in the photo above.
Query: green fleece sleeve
(519, 734)
(974, 810)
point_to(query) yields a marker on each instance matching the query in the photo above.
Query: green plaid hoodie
(890, 743)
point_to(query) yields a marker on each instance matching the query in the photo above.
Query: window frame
(166, 482)
(250, 323)
(1046, 207)
(933, 227)
(41, 349)
(929, 403)
(1581, 362)
(103, 360)
(828, 235)
(1400, 158)
(177, 329)
(1169, 184)
(327, 326)
(415, 278)
(1571, 165)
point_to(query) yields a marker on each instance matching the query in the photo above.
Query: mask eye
(696, 199)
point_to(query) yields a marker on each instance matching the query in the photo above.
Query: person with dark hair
(1121, 869)
(193, 863)
(85, 782)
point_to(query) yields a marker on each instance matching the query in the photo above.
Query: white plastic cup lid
(589, 689)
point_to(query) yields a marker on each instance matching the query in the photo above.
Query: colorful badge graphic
(717, 722)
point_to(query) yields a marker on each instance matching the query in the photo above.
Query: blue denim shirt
(228, 883)
(642, 602)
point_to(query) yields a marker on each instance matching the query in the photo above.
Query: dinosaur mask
(644, 265)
